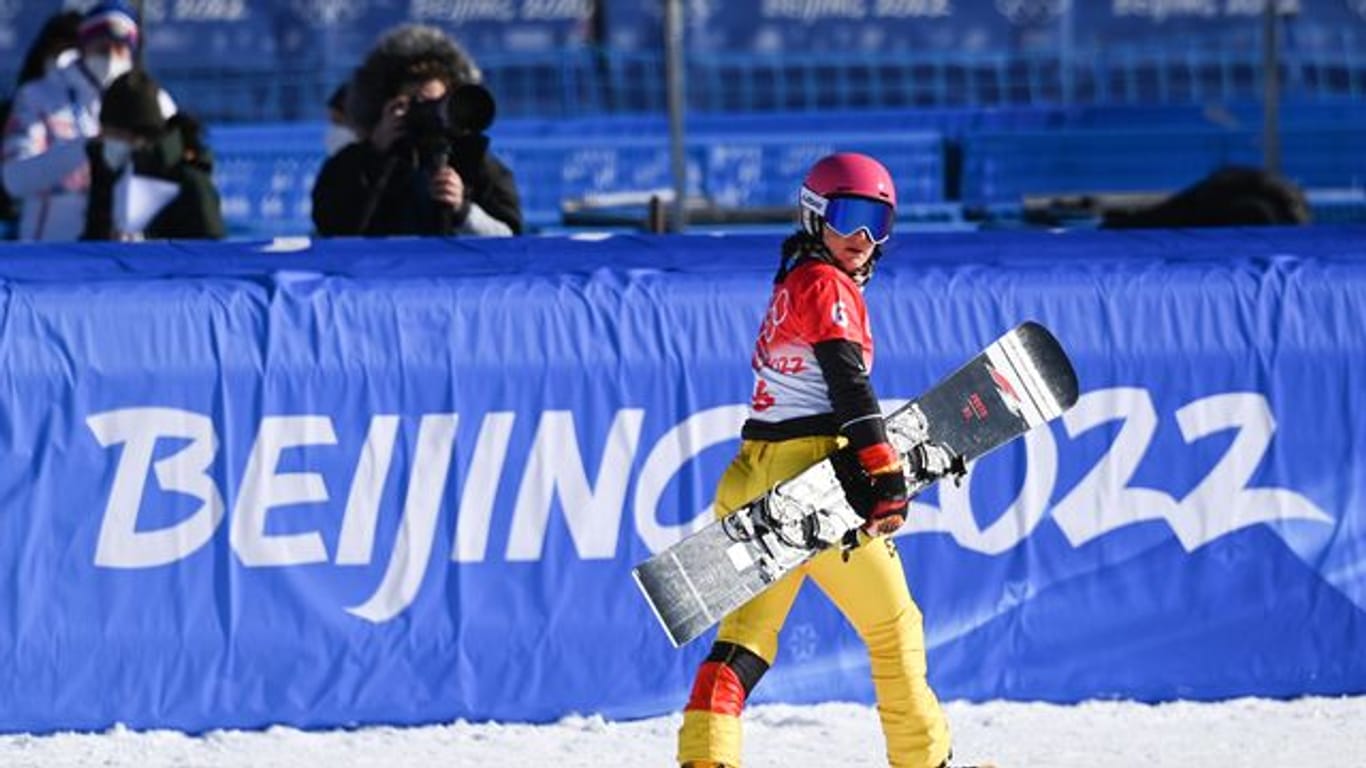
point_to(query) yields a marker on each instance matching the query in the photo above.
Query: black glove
(874, 485)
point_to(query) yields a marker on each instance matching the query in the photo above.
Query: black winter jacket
(360, 191)
(196, 213)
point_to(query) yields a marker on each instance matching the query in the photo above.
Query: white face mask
(336, 137)
(116, 153)
(106, 69)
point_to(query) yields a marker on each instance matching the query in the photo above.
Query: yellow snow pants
(869, 589)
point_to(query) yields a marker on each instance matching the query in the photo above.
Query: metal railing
(589, 82)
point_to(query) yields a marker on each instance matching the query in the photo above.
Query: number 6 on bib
(1020, 381)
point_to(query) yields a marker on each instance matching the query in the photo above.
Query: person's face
(107, 59)
(851, 252)
(119, 146)
(114, 49)
(119, 134)
(430, 90)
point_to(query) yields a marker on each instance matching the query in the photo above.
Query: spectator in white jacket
(45, 165)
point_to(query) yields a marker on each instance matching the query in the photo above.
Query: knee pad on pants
(711, 722)
(726, 678)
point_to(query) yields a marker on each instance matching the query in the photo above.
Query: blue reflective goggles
(847, 215)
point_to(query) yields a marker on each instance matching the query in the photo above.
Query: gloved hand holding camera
(448, 136)
(446, 132)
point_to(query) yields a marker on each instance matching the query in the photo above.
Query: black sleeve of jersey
(851, 396)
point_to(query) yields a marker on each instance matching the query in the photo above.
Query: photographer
(422, 166)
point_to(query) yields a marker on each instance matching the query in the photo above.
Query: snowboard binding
(928, 462)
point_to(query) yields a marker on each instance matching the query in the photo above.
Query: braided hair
(803, 245)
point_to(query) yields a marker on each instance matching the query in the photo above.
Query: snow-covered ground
(1244, 732)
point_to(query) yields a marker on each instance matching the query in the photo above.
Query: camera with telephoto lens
(427, 121)
(452, 127)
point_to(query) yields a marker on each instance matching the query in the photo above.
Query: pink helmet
(845, 175)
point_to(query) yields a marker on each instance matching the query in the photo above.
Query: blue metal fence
(265, 173)
(978, 157)
(592, 82)
(1003, 166)
(588, 82)
(1122, 75)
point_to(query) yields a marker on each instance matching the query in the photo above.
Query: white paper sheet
(138, 199)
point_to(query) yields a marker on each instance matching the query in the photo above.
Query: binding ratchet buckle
(927, 462)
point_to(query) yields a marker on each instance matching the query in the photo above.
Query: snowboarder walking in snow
(812, 397)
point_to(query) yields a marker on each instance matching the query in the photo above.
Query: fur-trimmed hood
(386, 66)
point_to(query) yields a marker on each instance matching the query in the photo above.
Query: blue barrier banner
(239, 36)
(235, 35)
(981, 26)
(510, 26)
(793, 27)
(405, 481)
(1307, 24)
(343, 31)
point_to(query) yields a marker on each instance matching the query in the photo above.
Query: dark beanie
(132, 103)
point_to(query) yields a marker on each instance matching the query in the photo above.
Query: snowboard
(1018, 382)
